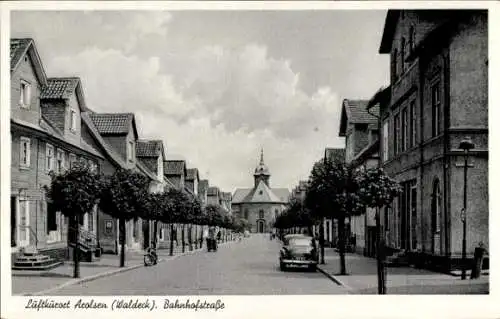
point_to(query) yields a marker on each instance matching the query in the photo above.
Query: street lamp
(466, 145)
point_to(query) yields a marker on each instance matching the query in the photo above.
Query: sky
(217, 86)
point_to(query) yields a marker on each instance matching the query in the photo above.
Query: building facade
(261, 204)
(437, 97)
(360, 128)
(45, 136)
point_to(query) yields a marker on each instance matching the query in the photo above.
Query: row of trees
(125, 196)
(337, 191)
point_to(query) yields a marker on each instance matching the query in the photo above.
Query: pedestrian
(218, 236)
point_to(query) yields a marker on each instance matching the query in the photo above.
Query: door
(24, 222)
(260, 226)
(13, 221)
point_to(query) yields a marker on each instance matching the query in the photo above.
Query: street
(249, 267)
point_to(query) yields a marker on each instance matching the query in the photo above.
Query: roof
(18, 49)
(149, 148)
(371, 150)
(335, 154)
(142, 168)
(174, 167)
(202, 186)
(383, 96)
(261, 194)
(355, 112)
(113, 123)
(192, 174)
(115, 157)
(59, 88)
(54, 135)
(389, 28)
(63, 88)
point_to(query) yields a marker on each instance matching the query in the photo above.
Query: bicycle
(150, 257)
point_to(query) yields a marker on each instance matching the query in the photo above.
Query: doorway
(260, 226)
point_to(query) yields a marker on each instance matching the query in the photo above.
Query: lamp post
(466, 145)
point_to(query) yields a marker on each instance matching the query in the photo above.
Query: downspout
(446, 150)
(421, 148)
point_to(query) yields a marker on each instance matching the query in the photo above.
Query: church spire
(261, 156)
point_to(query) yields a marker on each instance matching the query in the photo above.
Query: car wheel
(282, 266)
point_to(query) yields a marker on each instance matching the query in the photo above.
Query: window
(246, 213)
(261, 214)
(130, 151)
(385, 142)
(25, 94)
(25, 152)
(404, 130)
(412, 39)
(162, 234)
(396, 133)
(403, 54)
(436, 108)
(394, 65)
(60, 161)
(413, 124)
(73, 120)
(72, 160)
(49, 157)
(92, 166)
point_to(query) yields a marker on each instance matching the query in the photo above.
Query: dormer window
(73, 120)
(130, 151)
(25, 94)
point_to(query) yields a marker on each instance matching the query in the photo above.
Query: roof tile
(357, 113)
(17, 49)
(112, 123)
(191, 174)
(148, 148)
(174, 167)
(59, 88)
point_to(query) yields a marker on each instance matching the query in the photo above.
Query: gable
(19, 48)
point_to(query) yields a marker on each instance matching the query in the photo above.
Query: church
(261, 204)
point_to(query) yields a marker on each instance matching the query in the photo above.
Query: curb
(333, 278)
(109, 273)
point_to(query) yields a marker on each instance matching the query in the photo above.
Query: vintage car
(298, 251)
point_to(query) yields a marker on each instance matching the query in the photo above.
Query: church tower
(261, 171)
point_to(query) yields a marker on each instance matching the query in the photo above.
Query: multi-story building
(260, 204)
(175, 172)
(203, 191)
(46, 136)
(360, 129)
(213, 195)
(192, 180)
(438, 96)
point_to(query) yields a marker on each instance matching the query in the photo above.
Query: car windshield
(300, 241)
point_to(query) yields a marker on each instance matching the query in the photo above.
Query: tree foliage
(124, 194)
(75, 191)
(377, 189)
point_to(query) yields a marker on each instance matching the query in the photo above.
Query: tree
(156, 205)
(376, 191)
(124, 197)
(333, 192)
(194, 205)
(74, 193)
(177, 209)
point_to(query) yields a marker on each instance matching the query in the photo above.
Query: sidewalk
(43, 282)
(362, 277)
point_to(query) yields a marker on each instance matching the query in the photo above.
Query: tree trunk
(183, 238)
(195, 236)
(76, 254)
(190, 237)
(380, 256)
(121, 225)
(155, 234)
(322, 241)
(342, 234)
(171, 239)
(201, 237)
